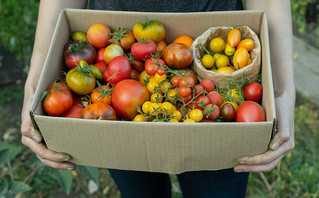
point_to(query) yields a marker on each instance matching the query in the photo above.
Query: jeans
(200, 184)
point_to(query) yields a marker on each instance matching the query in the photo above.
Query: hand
(280, 146)
(32, 138)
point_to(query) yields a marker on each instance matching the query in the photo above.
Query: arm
(47, 18)
(281, 50)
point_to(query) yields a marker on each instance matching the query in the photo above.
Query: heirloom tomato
(177, 56)
(187, 40)
(228, 112)
(250, 111)
(144, 49)
(208, 85)
(101, 94)
(128, 96)
(253, 92)
(217, 45)
(160, 46)
(57, 102)
(74, 112)
(59, 85)
(80, 80)
(123, 37)
(112, 51)
(75, 51)
(211, 112)
(138, 65)
(99, 111)
(98, 35)
(100, 55)
(135, 75)
(101, 65)
(118, 69)
(215, 98)
(149, 30)
(246, 43)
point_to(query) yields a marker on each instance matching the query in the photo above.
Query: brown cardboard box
(157, 147)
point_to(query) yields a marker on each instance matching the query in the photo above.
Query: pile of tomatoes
(225, 57)
(135, 75)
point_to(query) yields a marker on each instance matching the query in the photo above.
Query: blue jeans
(200, 184)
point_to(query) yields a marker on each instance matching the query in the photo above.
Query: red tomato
(144, 50)
(101, 65)
(187, 99)
(215, 97)
(118, 69)
(75, 51)
(135, 75)
(198, 89)
(208, 85)
(185, 91)
(175, 81)
(128, 96)
(201, 100)
(98, 111)
(186, 81)
(123, 37)
(228, 112)
(253, 91)
(59, 85)
(212, 113)
(151, 65)
(250, 111)
(160, 46)
(189, 72)
(98, 35)
(160, 72)
(138, 65)
(74, 112)
(177, 56)
(100, 55)
(57, 102)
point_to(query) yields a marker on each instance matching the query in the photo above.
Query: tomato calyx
(120, 32)
(76, 46)
(142, 41)
(209, 52)
(86, 68)
(107, 91)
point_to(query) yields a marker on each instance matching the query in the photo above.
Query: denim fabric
(200, 184)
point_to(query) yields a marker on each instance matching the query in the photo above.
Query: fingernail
(67, 157)
(243, 160)
(274, 146)
(238, 170)
(70, 168)
(36, 138)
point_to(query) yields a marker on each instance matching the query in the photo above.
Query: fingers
(258, 168)
(48, 157)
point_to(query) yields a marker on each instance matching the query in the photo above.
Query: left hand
(279, 147)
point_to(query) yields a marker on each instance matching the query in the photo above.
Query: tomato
(234, 37)
(75, 51)
(112, 51)
(160, 71)
(98, 35)
(100, 55)
(152, 86)
(196, 115)
(152, 65)
(146, 106)
(165, 86)
(177, 56)
(229, 51)
(228, 112)
(177, 115)
(139, 118)
(144, 50)
(204, 100)
(185, 91)
(167, 108)
(217, 45)
(57, 102)
(153, 30)
(250, 111)
(253, 91)
(235, 97)
(175, 81)
(59, 85)
(215, 98)
(101, 65)
(198, 89)
(186, 81)
(159, 78)
(188, 120)
(172, 95)
(80, 80)
(135, 75)
(156, 97)
(118, 69)
(246, 43)
(208, 61)
(207, 84)
(160, 46)
(101, 94)
(122, 37)
(138, 65)
(99, 111)
(154, 109)
(241, 57)
(79, 36)
(189, 72)
(212, 113)
(73, 112)
(225, 70)
(187, 40)
(128, 96)
(222, 61)
(144, 77)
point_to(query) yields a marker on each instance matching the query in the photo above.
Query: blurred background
(22, 175)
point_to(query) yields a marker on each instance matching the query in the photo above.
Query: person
(222, 183)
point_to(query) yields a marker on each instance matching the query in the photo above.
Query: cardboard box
(156, 147)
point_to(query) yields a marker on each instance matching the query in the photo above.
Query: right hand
(33, 139)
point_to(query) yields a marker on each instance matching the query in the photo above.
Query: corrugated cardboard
(156, 147)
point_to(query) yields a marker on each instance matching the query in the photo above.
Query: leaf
(34, 161)
(89, 172)
(12, 150)
(19, 187)
(3, 187)
(64, 177)
(4, 155)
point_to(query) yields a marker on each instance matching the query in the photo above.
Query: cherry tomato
(234, 37)
(175, 81)
(186, 81)
(196, 115)
(228, 112)
(101, 94)
(160, 46)
(246, 43)
(135, 75)
(185, 91)
(217, 45)
(212, 113)
(241, 57)
(253, 92)
(138, 65)
(215, 98)
(207, 84)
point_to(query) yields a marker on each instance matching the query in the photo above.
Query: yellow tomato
(222, 61)
(150, 30)
(246, 43)
(235, 95)
(79, 36)
(177, 115)
(188, 120)
(154, 107)
(196, 115)
(208, 61)
(146, 106)
(138, 118)
(225, 70)
(217, 45)
(240, 58)
(144, 77)
(159, 78)
(156, 97)
(168, 107)
(229, 51)
(152, 85)
(165, 86)
(172, 95)
(187, 40)
(173, 120)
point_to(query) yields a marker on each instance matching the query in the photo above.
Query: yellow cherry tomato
(144, 77)
(146, 106)
(217, 45)
(156, 97)
(79, 36)
(172, 95)
(188, 120)
(152, 85)
(138, 118)
(208, 61)
(225, 70)
(168, 107)
(165, 86)
(240, 59)
(196, 115)
(222, 61)
(154, 107)
(216, 55)
(177, 115)
(235, 95)
(246, 43)
(173, 120)
(159, 78)
(229, 51)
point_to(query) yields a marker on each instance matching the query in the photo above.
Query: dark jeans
(200, 184)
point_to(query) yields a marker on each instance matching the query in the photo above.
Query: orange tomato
(240, 58)
(101, 94)
(160, 46)
(187, 40)
(246, 43)
(234, 37)
(225, 70)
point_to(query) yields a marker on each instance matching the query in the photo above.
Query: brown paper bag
(250, 71)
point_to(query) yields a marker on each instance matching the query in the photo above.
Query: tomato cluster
(225, 57)
(135, 75)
